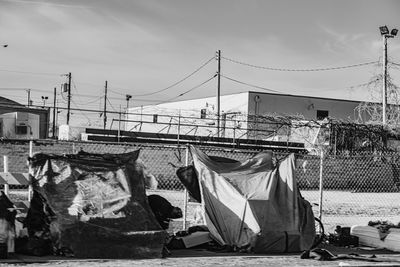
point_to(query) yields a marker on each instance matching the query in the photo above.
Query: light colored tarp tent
(254, 203)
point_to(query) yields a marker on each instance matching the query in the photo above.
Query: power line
(32, 73)
(81, 111)
(108, 100)
(396, 64)
(300, 70)
(251, 85)
(275, 91)
(188, 91)
(180, 81)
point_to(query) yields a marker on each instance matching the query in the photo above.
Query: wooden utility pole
(105, 106)
(29, 97)
(219, 92)
(54, 113)
(69, 97)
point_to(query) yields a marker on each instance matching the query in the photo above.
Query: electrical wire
(81, 112)
(188, 91)
(180, 81)
(108, 100)
(300, 70)
(33, 73)
(396, 64)
(275, 91)
(251, 85)
(116, 92)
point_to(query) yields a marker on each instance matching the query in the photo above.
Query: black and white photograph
(199, 133)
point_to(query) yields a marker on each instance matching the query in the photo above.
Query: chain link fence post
(321, 184)
(30, 189)
(185, 200)
(5, 166)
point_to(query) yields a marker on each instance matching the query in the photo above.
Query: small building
(21, 122)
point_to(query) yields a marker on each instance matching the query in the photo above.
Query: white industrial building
(242, 115)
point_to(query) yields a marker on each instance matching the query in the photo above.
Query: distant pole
(69, 97)
(384, 92)
(119, 123)
(54, 113)
(105, 106)
(219, 92)
(29, 97)
(128, 97)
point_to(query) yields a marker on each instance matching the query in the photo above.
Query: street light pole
(385, 35)
(384, 79)
(44, 98)
(128, 97)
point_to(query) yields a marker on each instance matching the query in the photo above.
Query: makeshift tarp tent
(94, 204)
(254, 204)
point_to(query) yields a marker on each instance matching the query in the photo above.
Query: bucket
(3, 251)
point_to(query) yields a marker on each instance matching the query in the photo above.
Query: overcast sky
(142, 47)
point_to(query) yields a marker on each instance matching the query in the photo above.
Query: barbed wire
(300, 70)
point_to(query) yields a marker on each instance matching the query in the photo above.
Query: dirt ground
(202, 258)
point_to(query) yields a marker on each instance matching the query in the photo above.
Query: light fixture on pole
(44, 98)
(385, 35)
(128, 97)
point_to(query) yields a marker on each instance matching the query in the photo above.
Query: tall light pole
(385, 35)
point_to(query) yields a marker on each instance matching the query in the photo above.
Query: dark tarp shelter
(96, 205)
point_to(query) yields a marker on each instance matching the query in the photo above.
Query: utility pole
(29, 97)
(69, 97)
(218, 91)
(105, 106)
(54, 113)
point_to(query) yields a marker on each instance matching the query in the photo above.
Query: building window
(203, 113)
(322, 114)
(21, 129)
(155, 118)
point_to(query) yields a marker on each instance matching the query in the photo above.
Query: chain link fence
(355, 189)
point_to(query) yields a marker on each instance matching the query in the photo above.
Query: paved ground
(202, 258)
